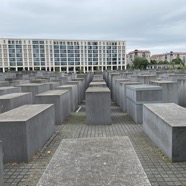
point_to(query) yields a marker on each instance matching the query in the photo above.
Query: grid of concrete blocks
(33, 103)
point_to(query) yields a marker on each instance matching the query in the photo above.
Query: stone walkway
(158, 168)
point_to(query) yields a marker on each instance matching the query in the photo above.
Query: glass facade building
(62, 55)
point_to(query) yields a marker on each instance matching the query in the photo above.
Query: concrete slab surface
(24, 112)
(95, 161)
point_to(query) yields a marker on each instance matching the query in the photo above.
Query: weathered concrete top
(65, 86)
(171, 113)
(97, 89)
(73, 82)
(13, 95)
(144, 87)
(95, 162)
(52, 83)
(5, 88)
(77, 79)
(146, 75)
(98, 83)
(121, 79)
(129, 83)
(30, 85)
(114, 73)
(53, 92)
(98, 80)
(175, 75)
(24, 112)
(164, 82)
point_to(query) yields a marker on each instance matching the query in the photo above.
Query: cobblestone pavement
(158, 168)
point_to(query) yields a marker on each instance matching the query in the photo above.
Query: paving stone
(94, 161)
(150, 156)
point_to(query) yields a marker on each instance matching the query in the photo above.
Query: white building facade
(62, 55)
(169, 56)
(145, 54)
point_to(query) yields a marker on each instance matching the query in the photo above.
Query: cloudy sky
(155, 25)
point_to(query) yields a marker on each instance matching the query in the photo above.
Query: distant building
(145, 54)
(169, 56)
(62, 55)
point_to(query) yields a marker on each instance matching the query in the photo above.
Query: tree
(178, 61)
(140, 63)
(153, 62)
(163, 62)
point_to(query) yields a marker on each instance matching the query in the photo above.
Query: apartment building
(145, 54)
(169, 56)
(61, 55)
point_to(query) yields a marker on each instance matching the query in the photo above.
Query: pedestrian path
(159, 170)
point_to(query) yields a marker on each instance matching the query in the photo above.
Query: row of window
(63, 42)
(62, 59)
(66, 47)
(36, 63)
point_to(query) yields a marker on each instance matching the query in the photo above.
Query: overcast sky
(155, 25)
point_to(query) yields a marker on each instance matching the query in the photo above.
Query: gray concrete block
(182, 92)
(137, 95)
(116, 88)
(73, 95)
(14, 100)
(122, 95)
(95, 161)
(61, 101)
(4, 83)
(144, 79)
(35, 88)
(110, 80)
(24, 130)
(82, 87)
(169, 90)
(1, 166)
(165, 125)
(52, 85)
(98, 84)
(98, 106)
(19, 82)
(77, 83)
(9, 90)
(86, 78)
(39, 81)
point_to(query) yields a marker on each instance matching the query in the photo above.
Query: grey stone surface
(169, 90)
(98, 106)
(35, 88)
(1, 166)
(4, 83)
(14, 100)
(9, 90)
(24, 130)
(165, 125)
(98, 84)
(73, 95)
(82, 87)
(95, 161)
(137, 95)
(116, 88)
(182, 92)
(113, 86)
(39, 81)
(61, 101)
(86, 78)
(146, 78)
(77, 83)
(122, 96)
(19, 82)
(52, 85)
(110, 80)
